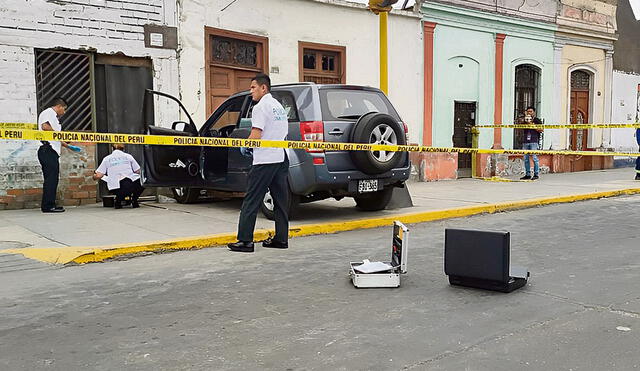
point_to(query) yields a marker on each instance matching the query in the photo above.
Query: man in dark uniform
(269, 171)
(49, 155)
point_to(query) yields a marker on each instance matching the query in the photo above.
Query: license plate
(369, 185)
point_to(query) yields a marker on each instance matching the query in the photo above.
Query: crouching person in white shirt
(122, 173)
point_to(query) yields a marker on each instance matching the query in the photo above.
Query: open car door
(170, 166)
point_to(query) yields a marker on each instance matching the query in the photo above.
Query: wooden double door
(232, 60)
(579, 114)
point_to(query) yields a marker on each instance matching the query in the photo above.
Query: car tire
(377, 128)
(267, 206)
(374, 201)
(186, 195)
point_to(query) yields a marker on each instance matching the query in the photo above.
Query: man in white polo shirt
(49, 155)
(269, 171)
(122, 173)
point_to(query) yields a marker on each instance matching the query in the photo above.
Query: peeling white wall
(285, 22)
(625, 110)
(100, 26)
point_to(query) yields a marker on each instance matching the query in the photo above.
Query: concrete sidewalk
(174, 226)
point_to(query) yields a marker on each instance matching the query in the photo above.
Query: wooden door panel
(579, 115)
(243, 79)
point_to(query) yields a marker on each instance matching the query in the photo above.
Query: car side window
(288, 102)
(228, 119)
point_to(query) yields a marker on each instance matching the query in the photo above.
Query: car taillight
(312, 131)
(406, 132)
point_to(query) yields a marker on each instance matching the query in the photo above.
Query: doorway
(232, 60)
(464, 118)
(120, 84)
(579, 108)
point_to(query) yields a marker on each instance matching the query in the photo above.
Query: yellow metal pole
(384, 71)
(475, 133)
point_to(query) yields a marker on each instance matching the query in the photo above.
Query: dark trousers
(262, 177)
(49, 160)
(638, 164)
(128, 188)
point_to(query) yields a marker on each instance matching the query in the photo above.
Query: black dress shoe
(135, 204)
(59, 208)
(275, 244)
(53, 210)
(241, 246)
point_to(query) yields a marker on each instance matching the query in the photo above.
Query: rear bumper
(306, 178)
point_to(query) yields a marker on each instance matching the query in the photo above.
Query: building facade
(99, 56)
(487, 60)
(323, 41)
(489, 64)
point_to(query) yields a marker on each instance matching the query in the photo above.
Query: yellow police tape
(563, 126)
(18, 125)
(166, 140)
(33, 126)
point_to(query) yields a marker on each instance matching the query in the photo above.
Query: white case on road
(384, 274)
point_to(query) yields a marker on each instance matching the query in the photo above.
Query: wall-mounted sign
(163, 37)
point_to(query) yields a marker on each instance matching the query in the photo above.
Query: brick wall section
(21, 185)
(76, 185)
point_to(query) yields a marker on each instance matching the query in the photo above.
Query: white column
(558, 114)
(608, 97)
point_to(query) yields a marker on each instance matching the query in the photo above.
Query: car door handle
(336, 131)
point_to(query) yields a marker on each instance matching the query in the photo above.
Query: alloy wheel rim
(383, 134)
(268, 201)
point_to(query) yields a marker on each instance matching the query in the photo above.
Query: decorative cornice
(487, 22)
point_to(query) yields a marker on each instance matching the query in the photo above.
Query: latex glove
(246, 151)
(74, 148)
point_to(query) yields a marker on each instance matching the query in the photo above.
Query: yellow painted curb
(82, 255)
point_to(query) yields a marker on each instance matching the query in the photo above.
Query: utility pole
(382, 9)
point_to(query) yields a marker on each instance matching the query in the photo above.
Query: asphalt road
(297, 310)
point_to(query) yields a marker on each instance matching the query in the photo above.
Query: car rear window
(341, 104)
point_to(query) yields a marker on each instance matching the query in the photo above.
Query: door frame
(475, 122)
(593, 82)
(212, 31)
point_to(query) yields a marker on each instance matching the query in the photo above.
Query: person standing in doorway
(49, 155)
(531, 142)
(638, 159)
(122, 175)
(269, 171)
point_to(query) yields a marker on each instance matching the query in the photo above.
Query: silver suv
(330, 113)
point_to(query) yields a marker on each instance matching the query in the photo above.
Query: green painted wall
(473, 82)
(519, 51)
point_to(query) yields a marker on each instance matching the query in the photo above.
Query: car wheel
(268, 206)
(186, 195)
(374, 201)
(377, 128)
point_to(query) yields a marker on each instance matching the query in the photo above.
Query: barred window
(66, 75)
(527, 88)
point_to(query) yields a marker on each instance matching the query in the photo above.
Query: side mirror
(179, 126)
